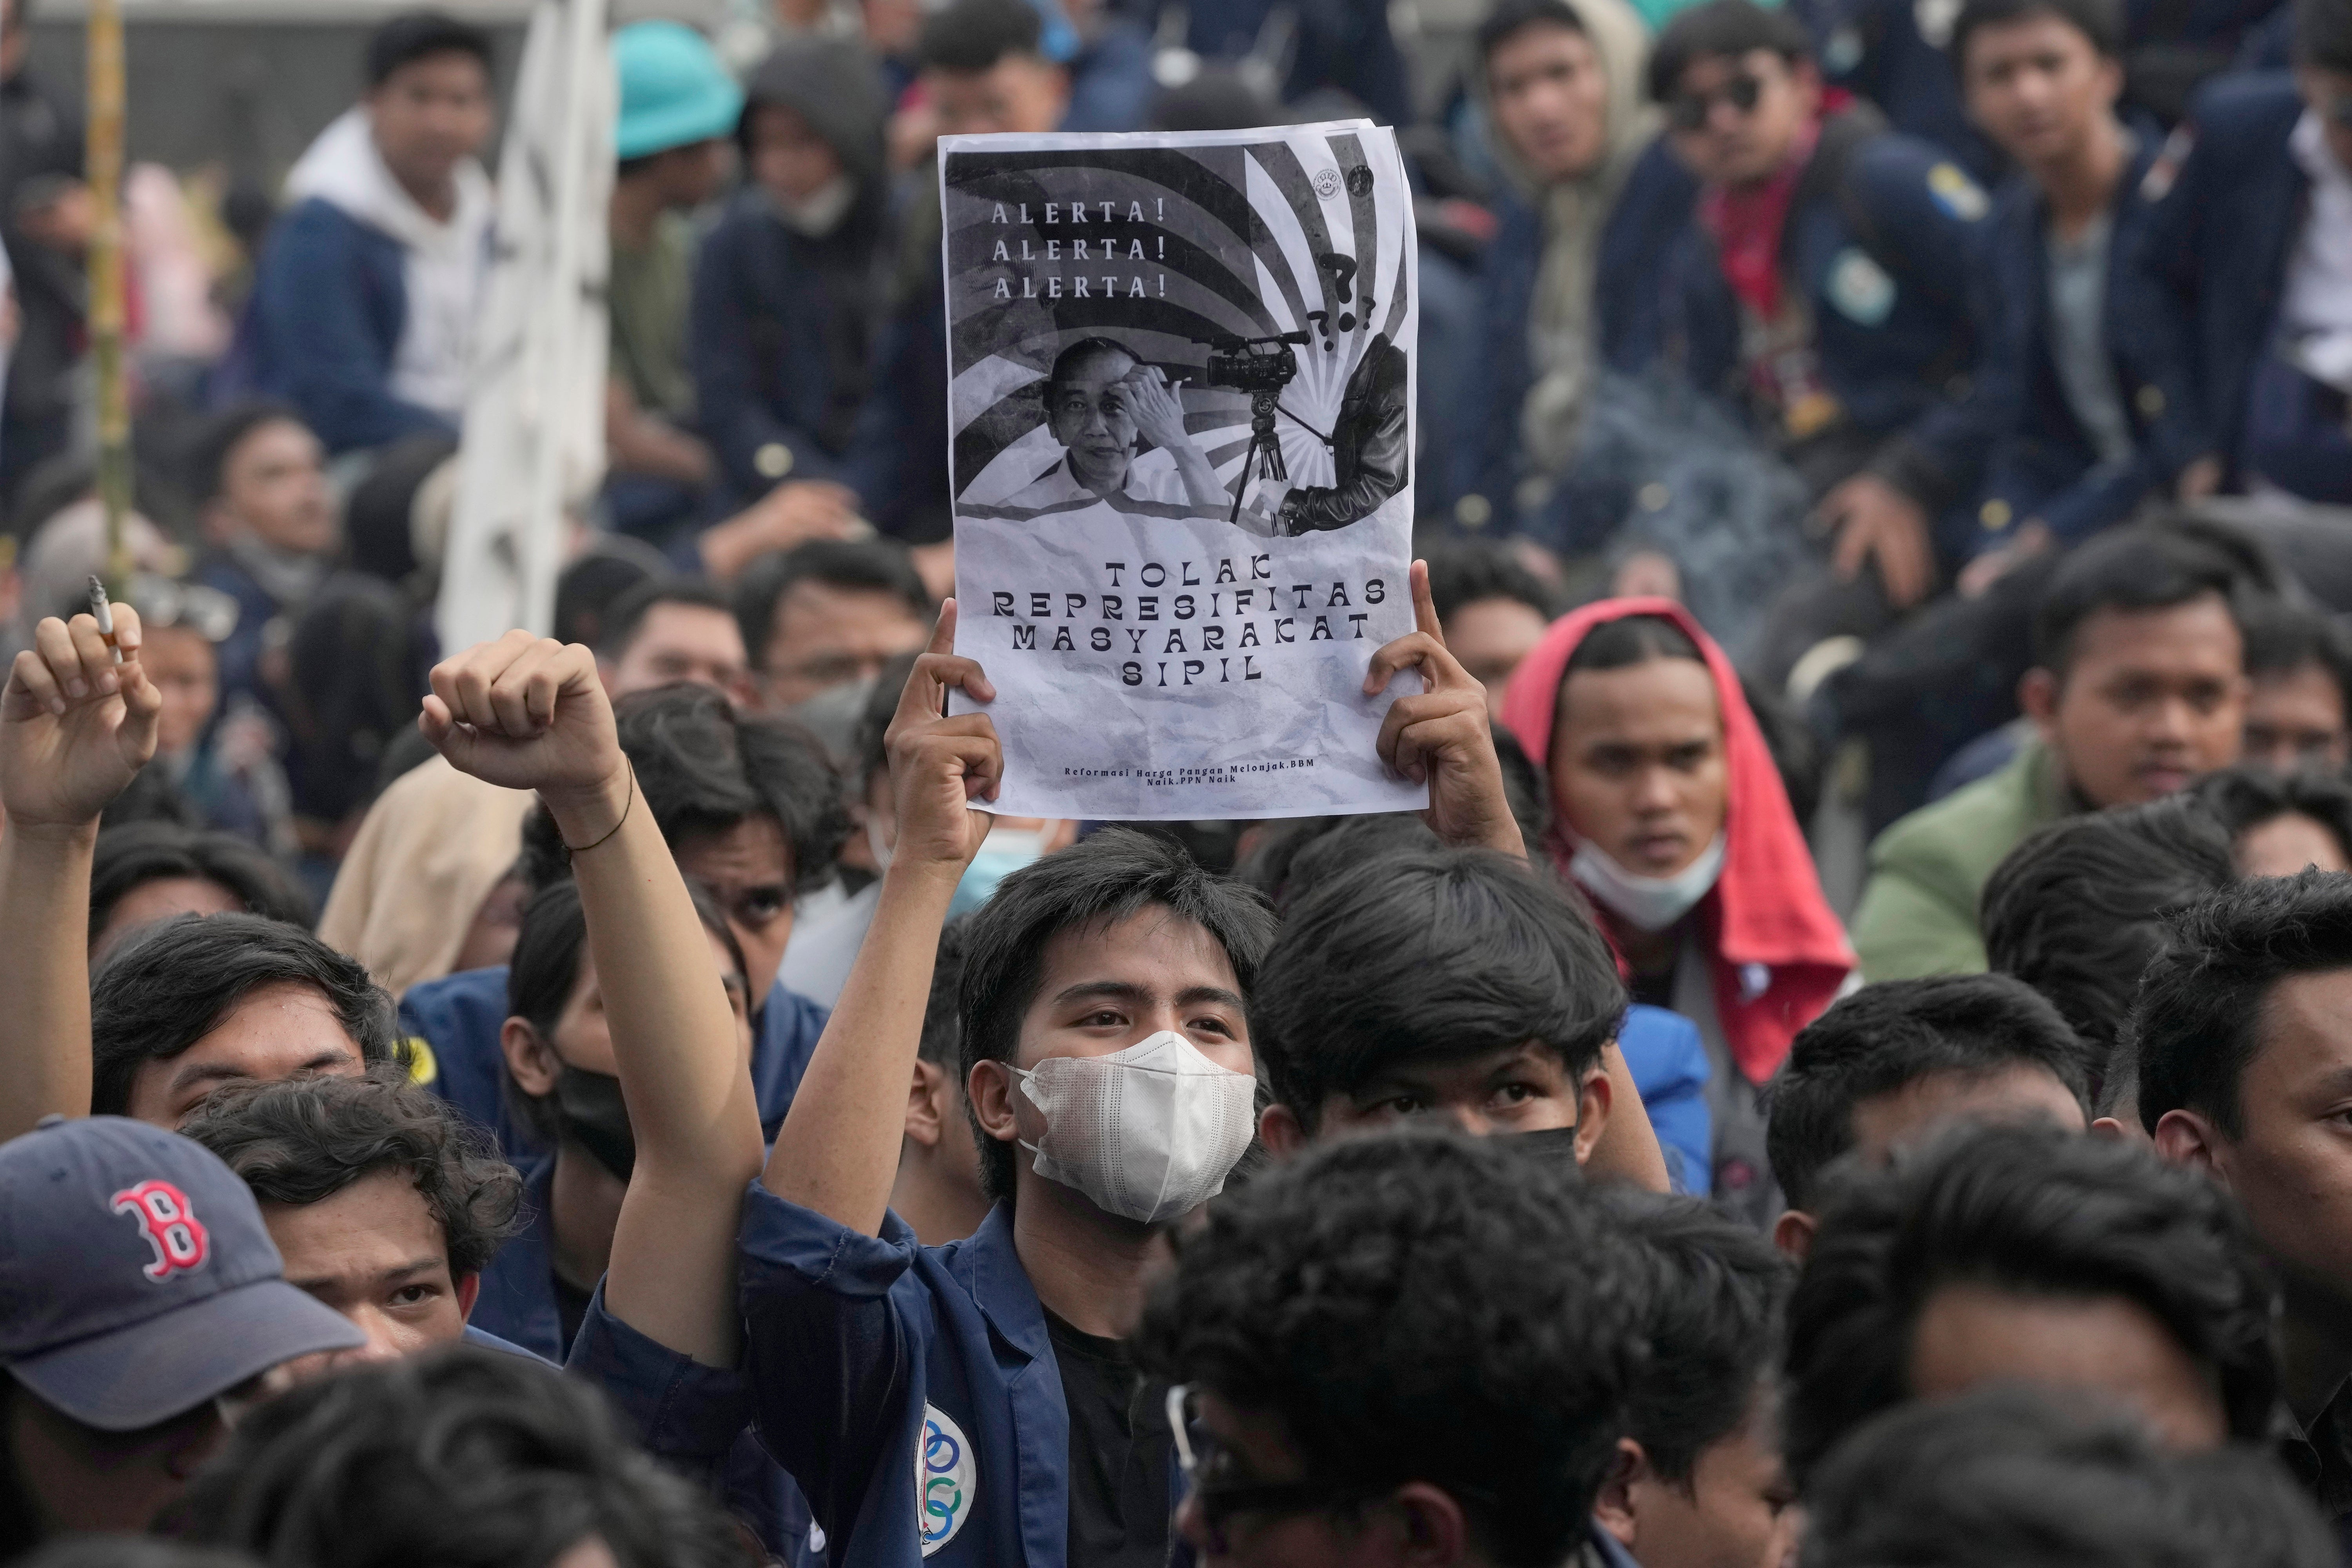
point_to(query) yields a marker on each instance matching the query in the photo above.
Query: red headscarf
(1777, 953)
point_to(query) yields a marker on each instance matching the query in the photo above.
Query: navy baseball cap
(136, 1278)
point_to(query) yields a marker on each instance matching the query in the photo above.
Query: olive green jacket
(1927, 871)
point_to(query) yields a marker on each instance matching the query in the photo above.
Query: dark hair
(702, 767)
(1101, 879)
(462, 1456)
(592, 585)
(1472, 571)
(358, 664)
(853, 566)
(1292, 855)
(380, 514)
(1507, 19)
(2077, 909)
(413, 35)
(220, 435)
(971, 35)
(1717, 1294)
(620, 623)
(1793, 745)
(2197, 1025)
(168, 987)
(1079, 352)
(942, 1040)
(1725, 29)
(2242, 799)
(138, 853)
(2131, 571)
(2285, 635)
(2031, 1211)
(2010, 1478)
(1429, 954)
(2323, 33)
(1632, 640)
(550, 942)
(2099, 21)
(1895, 1033)
(301, 1141)
(1420, 1306)
(1523, 787)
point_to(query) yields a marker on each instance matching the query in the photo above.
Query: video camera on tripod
(1254, 365)
(1261, 367)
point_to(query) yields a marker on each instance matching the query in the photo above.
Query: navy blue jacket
(1883, 265)
(2043, 464)
(1342, 44)
(1642, 227)
(458, 1017)
(899, 456)
(1110, 79)
(911, 1389)
(781, 334)
(328, 307)
(1875, 49)
(697, 1420)
(2218, 245)
(240, 652)
(517, 1300)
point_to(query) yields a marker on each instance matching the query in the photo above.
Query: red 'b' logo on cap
(170, 1225)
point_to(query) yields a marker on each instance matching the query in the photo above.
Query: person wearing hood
(1562, 84)
(365, 301)
(787, 286)
(1672, 819)
(986, 67)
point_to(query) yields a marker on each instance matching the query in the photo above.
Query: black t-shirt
(1119, 1453)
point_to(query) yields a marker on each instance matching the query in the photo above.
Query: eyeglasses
(1203, 1458)
(1689, 110)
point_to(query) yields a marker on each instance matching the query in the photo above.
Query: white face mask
(1150, 1133)
(820, 212)
(1647, 903)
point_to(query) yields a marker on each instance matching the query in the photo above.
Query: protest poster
(1180, 412)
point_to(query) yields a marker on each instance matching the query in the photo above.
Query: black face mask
(590, 1106)
(1556, 1145)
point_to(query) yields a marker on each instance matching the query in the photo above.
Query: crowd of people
(625, 1098)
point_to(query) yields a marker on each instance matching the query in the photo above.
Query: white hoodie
(445, 263)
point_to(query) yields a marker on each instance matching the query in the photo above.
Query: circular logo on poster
(1326, 183)
(945, 1480)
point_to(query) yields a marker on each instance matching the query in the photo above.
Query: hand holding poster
(1182, 401)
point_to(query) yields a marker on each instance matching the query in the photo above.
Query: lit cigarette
(103, 614)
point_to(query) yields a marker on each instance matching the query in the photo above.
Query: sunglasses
(1689, 110)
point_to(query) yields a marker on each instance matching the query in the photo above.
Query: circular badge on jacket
(945, 1480)
(1860, 288)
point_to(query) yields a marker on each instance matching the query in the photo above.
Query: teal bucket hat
(673, 92)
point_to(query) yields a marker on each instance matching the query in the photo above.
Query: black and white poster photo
(1181, 414)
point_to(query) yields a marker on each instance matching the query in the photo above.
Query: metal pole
(106, 296)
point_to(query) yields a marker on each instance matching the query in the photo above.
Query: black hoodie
(784, 321)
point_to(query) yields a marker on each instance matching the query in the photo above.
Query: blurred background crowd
(1836, 326)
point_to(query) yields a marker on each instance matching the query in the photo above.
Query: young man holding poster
(972, 1402)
